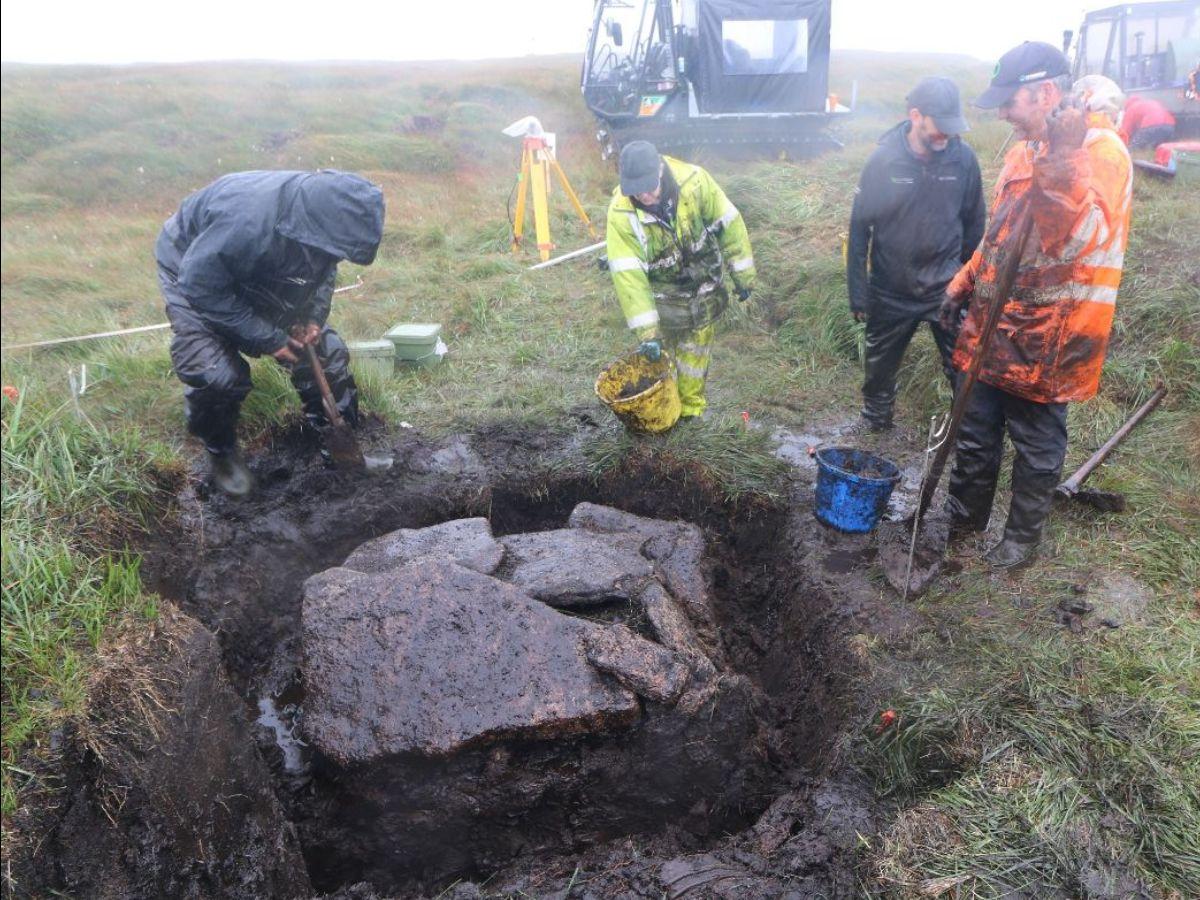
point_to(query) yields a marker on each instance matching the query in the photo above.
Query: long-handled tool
(339, 439)
(898, 567)
(1108, 501)
(938, 427)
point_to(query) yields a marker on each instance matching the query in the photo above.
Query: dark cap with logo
(640, 168)
(1028, 63)
(938, 99)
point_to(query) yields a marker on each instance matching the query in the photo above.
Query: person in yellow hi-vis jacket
(671, 234)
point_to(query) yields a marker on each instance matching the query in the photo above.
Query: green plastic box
(377, 357)
(415, 341)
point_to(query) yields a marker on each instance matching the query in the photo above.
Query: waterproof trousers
(1039, 435)
(1151, 136)
(692, 351)
(886, 340)
(217, 377)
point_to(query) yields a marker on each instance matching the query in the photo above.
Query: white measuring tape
(124, 331)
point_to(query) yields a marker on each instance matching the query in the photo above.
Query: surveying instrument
(537, 162)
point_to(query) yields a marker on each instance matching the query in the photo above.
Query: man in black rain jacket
(247, 266)
(920, 213)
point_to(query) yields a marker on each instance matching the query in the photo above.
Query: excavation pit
(485, 669)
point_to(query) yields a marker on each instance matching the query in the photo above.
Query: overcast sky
(124, 31)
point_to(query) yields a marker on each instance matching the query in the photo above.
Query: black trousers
(887, 339)
(217, 377)
(1039, 435)
(1152, 136)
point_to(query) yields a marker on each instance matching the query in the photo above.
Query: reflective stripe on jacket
(650, 264)
(1052, 335)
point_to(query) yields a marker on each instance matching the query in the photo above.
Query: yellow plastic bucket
(651, 410)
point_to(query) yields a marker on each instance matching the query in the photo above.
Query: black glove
(950, 311)
(743, 294)
(651, 349)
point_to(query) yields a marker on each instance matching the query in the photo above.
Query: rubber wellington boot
(1010, 554)
(230, 473)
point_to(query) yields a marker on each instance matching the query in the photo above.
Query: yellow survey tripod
(537, 161)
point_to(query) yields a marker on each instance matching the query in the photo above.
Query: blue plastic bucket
(853, 487)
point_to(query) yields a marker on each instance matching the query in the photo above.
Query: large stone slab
(572, 568)
(679, 554)
(468, 542)
(670, 623)
(435, 659)
(644, 667)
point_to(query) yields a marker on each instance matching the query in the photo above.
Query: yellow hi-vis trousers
(692, 351)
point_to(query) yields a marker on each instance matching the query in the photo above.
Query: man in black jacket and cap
(919, 213)
(247, 266)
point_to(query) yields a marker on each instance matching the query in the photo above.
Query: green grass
(67, 487)
(1023, 754)
(1048, 756)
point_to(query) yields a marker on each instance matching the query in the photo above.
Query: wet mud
(633, 388)
(749, 799)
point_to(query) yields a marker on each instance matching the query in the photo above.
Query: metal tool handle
(1071, 486)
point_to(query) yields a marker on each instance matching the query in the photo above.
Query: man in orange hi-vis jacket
(1074, 174)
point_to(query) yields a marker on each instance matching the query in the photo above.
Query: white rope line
(124, 331)
(86, 337)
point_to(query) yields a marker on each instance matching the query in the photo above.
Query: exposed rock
(679, 553)
(468, 542)
(433, 659)
(670, 623)
(571, 568)
(645, 668)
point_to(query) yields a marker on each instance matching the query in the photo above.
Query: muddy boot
(230, 473)
(867, 425)
(1010, 554)
(965, 523)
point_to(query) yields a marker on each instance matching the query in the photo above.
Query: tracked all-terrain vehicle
(1151, 49)
(686, 73)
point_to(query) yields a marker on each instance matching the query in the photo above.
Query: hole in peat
(707, 763)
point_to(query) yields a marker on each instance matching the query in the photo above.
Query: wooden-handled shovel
(340, 440)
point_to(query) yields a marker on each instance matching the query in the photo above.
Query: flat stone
(435, 659)
(572, 568)
(667, 618)
(645, 668)
(679, 554)
(468, 542)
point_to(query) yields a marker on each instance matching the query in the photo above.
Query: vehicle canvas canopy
(731, 72)
(765, 57)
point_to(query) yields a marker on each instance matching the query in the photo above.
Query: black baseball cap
(1028, 63)
(938, 99)
(640, 168)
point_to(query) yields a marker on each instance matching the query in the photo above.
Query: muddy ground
(793, 599)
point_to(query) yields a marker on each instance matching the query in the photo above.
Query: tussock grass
(67, 486)
(1066, 760)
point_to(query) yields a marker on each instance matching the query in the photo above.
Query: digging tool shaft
(1019, 237)
(331, 410)
(339, 439)
(1070, 487)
